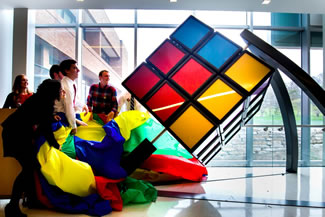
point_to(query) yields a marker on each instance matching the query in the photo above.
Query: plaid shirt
(102, 100)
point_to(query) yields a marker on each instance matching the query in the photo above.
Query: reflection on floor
(231, 192)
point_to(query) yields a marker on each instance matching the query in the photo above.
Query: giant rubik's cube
(201, 86)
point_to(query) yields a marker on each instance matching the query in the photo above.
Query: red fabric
(39, 193)
(108, 190)
(103, 117)
(190, 169)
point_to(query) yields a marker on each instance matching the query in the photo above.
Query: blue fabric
(55, 126)
(63, 122)
(92, 205)
(103, 157)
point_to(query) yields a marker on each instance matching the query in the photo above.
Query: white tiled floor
(232, 192)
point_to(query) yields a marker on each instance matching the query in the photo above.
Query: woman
(31, 119)
(19, 94)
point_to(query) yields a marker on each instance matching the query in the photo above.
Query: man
(102, 97)
(71, 103)
(55, 73)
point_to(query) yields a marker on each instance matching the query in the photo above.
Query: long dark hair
(49, 90)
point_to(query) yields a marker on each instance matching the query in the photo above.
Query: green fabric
(137, 191)
(129, 120)
(98, 119)
(166, 144)
(68, 147)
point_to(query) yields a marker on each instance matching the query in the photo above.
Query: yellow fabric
(62, 134)
(93, 131)
(69, 175)
(129, 120)
(85, 117)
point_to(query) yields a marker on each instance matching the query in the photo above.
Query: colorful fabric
(166, 144)
(62, 201)
(70, 175)
(92, 132)
(102, 100)
(99, 149)
(108, 190)
(68, 147)
(129, 120)
(40, 194)
(104, 157)
(190, 169)
(99, 119)
(137, 191)
(152, 176)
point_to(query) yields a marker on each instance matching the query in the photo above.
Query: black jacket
(32, 119)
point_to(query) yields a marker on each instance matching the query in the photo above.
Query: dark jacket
(10, 101)
(33, 118)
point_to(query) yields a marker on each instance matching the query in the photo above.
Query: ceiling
(294, 6)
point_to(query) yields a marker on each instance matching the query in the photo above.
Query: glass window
(280, 39)
(295, 55)
(276, 19)
(163, 16)
(295, 96)
(285, 19)
(51, 16)
(108, 16)
(235, 150)
(52, 45)
(269, 145)
(316, 65)
(222, 17)
(261, 18)
(316, 39)
(149, 39)
(111, 49)
(269, 113)
(285, 38)
(316, 144)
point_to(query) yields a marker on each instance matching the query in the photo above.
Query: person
(126, 102)
(55, 72)
(20, 129)
(102, 97)
(71, 104)
(19, 94)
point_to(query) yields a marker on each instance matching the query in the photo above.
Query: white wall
(6, 36)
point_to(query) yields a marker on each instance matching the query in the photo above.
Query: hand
(81, 123)
(57, 117)
(110, 116)
(73, 131)
(85, 109)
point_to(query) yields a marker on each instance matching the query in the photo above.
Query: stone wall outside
(268, 144)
